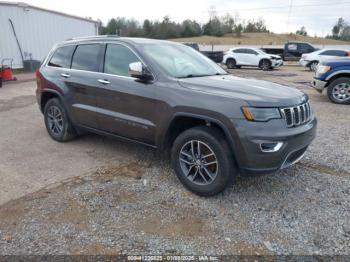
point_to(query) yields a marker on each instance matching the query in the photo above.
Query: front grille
(297, 115)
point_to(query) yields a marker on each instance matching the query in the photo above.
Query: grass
(259, 39)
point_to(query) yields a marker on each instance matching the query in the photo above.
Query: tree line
(341, 30)
(166, 28)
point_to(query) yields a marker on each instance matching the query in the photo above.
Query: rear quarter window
(62, 57)
(87, 57)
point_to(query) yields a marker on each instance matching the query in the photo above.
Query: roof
(133, 40)
(25, 5)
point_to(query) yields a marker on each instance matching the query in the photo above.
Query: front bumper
(277, 63)
(253, 161)
(318, 84)
(304, 63)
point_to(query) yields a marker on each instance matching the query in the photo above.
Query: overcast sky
(317, 16)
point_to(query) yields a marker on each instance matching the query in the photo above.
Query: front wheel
(339, 91)
(265, 65)
(203, 161)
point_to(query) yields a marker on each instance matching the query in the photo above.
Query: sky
(281, 16)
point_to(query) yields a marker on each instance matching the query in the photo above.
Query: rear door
(82, 82)
(125, 106)
(239, 55)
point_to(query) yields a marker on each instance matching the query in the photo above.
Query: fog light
(270, 147)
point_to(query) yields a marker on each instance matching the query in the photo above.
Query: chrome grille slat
(297, 115)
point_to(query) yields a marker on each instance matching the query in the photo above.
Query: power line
(281, 7)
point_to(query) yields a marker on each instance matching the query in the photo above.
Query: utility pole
(289, 14)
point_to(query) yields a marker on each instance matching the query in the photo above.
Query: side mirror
(139, 71)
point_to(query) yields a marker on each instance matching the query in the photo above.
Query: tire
(57, 122)
(313, 66)
(338, 91)
(265, 65)
(211, 142)
(231, 63)
(0, 82)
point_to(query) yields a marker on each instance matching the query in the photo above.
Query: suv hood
(255, 92)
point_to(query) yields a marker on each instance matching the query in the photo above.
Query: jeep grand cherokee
(168, 96)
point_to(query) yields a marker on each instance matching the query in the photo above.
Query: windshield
(181, 61)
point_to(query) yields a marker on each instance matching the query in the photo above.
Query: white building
(36, 30)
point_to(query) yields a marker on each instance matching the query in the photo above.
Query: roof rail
(91, 37)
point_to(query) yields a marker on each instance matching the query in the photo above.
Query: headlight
(260, 114)
(323, 69)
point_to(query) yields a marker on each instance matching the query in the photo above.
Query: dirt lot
(95, 195)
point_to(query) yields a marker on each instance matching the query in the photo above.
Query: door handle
(102, 81)
(65, 75)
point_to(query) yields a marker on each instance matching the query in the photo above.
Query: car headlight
(260, 114)
(323, 69)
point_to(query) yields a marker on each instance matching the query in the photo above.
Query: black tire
(0, 82)
(231, 63)
(57, 122)
(342, 83)
(210, 139)
(313, 66)
(265, 65)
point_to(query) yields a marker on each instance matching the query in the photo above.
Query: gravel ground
(132, 202)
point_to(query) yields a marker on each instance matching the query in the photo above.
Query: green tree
(301, 31)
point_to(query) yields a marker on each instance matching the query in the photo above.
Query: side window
(292, 47)
(334, 53)
(87, 57)
(239, 51)
(117, 60)
(251, 52)
(62, 57)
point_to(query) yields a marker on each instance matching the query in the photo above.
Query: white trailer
(28, 32)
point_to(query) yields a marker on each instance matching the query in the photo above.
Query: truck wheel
(203, 161)
(231, 63)
(265, 65)
(338, 91)
(57, 121)
(313, 66)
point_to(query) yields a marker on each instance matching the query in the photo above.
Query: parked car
(313, 59)
(292, 51)
(334, 76)
(170, 97)
(216, 56)
(244, 56)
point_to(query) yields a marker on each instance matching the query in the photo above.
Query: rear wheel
(57, 121)
(339, 91)
(231, 63)
(265, 65)
(203, 161)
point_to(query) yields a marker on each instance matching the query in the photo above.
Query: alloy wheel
(341, 92)
(198, 162)
(55, 120)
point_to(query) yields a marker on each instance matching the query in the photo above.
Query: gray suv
(168, 96)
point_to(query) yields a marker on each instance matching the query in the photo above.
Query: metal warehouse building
(28, 32)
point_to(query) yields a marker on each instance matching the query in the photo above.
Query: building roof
(25, 5)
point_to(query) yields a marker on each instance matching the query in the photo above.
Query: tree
(147, 28)
(301, 31)
(238, 30)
